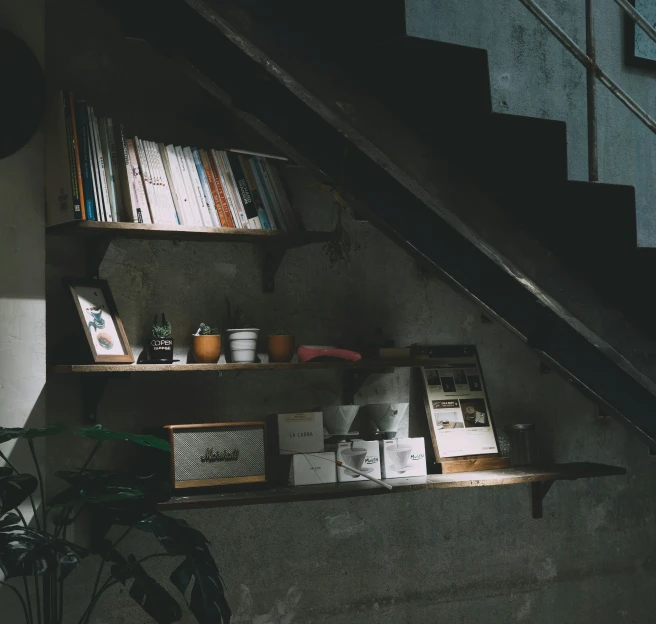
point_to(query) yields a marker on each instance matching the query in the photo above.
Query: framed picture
(639, 49)
(100, 320)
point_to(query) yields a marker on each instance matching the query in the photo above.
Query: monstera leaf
(207, 600)
(11, 433)
(98, 432)
(144, 589)
(25, 551)
(5, 471)
(14, 489)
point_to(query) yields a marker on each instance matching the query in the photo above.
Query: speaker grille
(189, 445)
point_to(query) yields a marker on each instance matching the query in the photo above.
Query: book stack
(95, 172)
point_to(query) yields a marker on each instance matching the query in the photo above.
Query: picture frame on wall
(100, 320)
(639, 49)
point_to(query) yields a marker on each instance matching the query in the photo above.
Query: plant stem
(38, 597)
(21, 516)
(28, 599)
(41, 485)
(93, 452)
(28, 618)
(6, 460)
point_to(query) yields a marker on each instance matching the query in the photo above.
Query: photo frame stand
(467, 357)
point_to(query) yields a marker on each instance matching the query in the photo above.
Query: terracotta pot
(281, 348)
(206, 349)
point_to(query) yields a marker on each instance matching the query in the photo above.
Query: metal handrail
(589, 60)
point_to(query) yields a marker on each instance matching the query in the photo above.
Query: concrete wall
(532, 74)
(460, 555)
(22, 274)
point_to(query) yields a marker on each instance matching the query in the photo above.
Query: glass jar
(522, 444)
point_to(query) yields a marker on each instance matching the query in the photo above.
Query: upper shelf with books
(143, 231)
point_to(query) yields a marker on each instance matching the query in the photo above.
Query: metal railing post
(593, 163)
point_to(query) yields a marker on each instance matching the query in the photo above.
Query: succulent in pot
(281, 346)
(206, 345)
(160, 345)
(242, 339)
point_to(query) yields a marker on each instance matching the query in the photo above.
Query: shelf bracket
(272, 256)
(96, 248)
(93, 387)
(539, 490)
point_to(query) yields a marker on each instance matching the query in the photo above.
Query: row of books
(95, 172)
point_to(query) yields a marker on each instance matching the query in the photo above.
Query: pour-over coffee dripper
(400, 455)
(387, 417)
(337, 419)
(354, 457)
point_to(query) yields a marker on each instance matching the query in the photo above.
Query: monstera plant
(36, 561)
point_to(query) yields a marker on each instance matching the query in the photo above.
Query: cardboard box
(361, 454)
(313, 469)
(403, 457)
(300, 433)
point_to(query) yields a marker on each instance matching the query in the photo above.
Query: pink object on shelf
(307, 353)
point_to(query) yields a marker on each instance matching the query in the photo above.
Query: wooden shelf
(143, 231)
(363, 365)
(540, 478)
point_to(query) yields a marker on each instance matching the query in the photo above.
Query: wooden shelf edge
(378, 366)
(292, 494)
(147, 231)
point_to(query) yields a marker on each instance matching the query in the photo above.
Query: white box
(361, 454)
(403, 457)
(313, 469)
(300, 433)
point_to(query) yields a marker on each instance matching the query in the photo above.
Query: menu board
(458, 409)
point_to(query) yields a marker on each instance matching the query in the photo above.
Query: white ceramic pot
(243, 344)
(337, 419)
(387, 416)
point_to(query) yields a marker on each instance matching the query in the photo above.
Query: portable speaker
(217, 454)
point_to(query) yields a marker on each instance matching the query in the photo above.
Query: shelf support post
(93, 387)
(272, 256)
(539, 490)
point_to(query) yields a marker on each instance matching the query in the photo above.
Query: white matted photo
(102, 325)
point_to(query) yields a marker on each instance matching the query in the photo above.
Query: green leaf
(98, 432)
(110, 494)
(11, 433)
(9, 519)
(5, 471)
(145, 590)
(14, 490)
(207, 600)
(24, 552)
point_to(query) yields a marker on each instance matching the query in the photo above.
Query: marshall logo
(216, 456)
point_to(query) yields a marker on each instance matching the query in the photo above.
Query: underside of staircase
(403, 129)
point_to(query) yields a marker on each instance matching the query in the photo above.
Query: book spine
(95, 172)
(102, 176)
(170, 213)
(81, 119)
(158, 201)
(76, 149)
(291, 218)
(255, 193)
(241, 213)
(177, 202)
(265, 193)
(70, 144)
(205, 185)
(213, 188)
(137, 183)
(147, 181)
(109, 174)
(198, 189)
(189, 187)
(218, 179)
(126, 175)
(115, 169)
(243, 190)
(231, 198)
(178, 184)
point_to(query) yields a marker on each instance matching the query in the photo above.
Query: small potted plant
(281, 346)
(206, 345)
(241, 338)
(160, 346)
